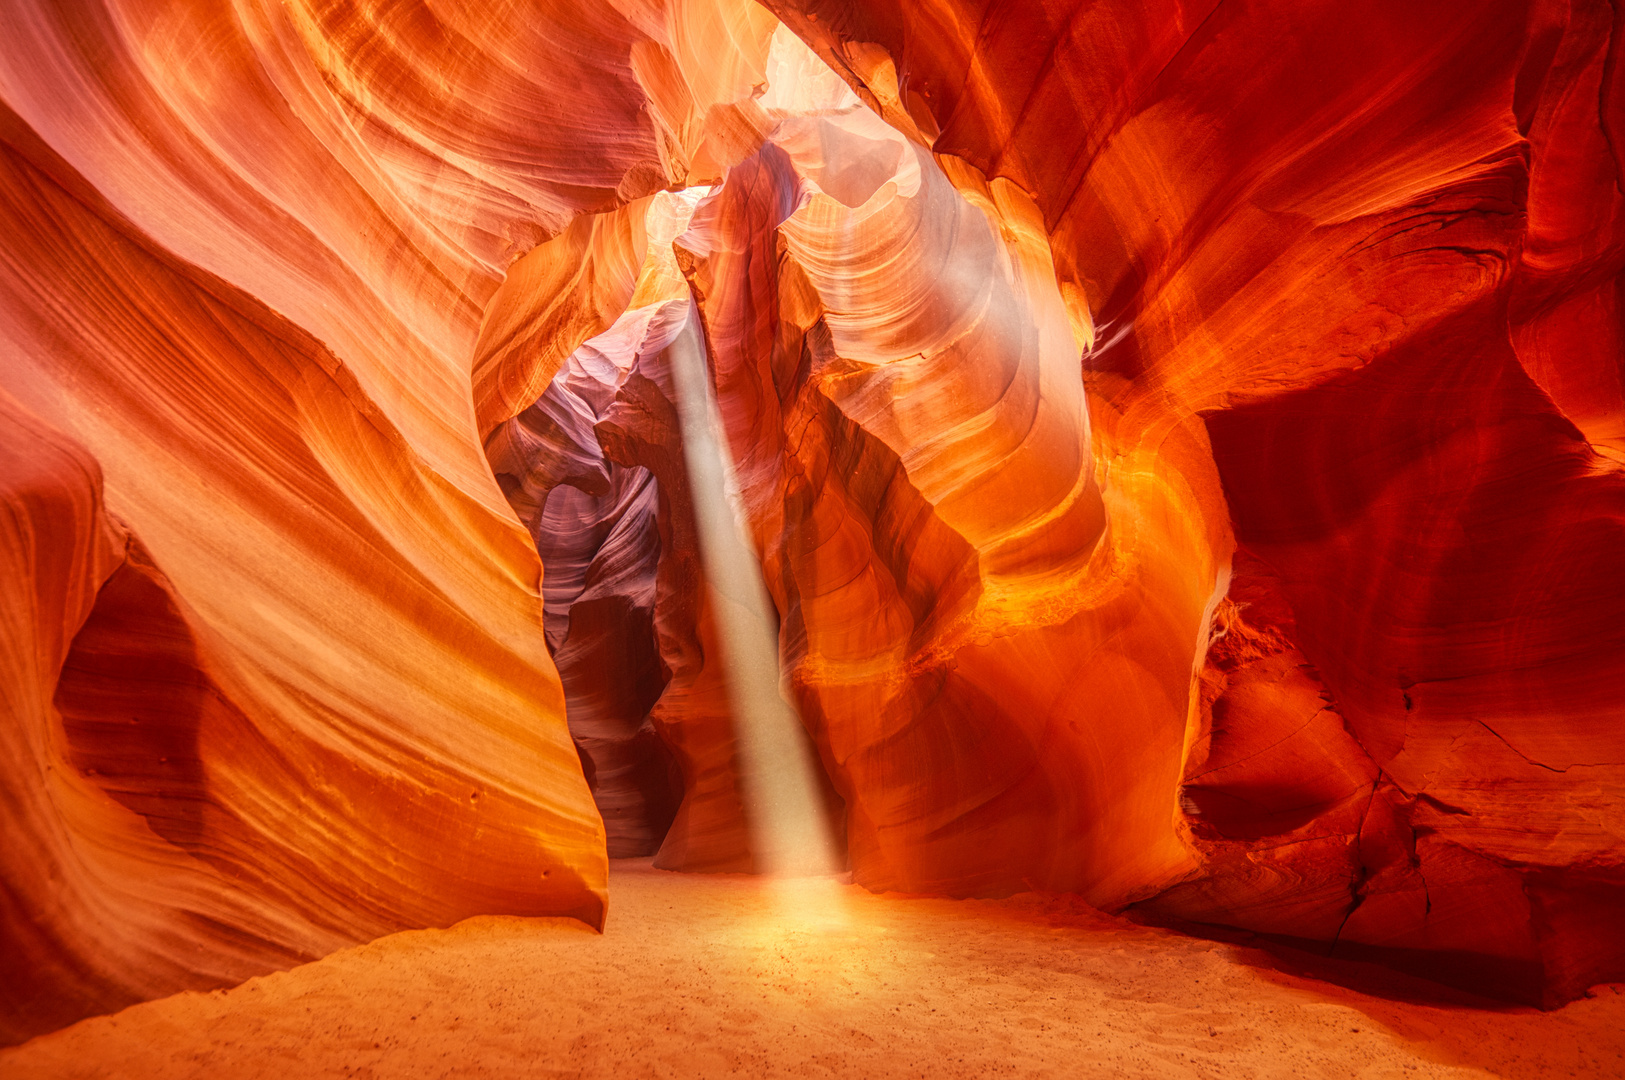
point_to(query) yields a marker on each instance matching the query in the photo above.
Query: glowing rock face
(1354, 281)
(914, 452)
(914, 455)
(596, 468)
(247, 255)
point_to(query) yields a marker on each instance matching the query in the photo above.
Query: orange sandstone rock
(983, 673)
(596, 469)
(246, 256)
(1364, 264)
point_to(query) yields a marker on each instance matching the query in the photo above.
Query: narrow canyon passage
(1096, 480)
(729, 975)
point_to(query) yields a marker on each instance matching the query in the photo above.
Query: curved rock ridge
(254, 261)
(370, 686)
(899, 378)
(1352, 299)
(606, 426)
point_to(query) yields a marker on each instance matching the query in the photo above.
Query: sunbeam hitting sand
(701, 976)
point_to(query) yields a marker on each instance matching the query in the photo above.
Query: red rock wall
(595, 526)
(693, 715)
(246, 256)
(1365, 263)
(914, 451)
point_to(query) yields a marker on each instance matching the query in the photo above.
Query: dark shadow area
(1409, 976)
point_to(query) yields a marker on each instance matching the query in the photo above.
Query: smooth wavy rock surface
(914, 457)
(281, 679)
(915, 454)
(1353, 280)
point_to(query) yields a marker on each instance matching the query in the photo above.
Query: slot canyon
(847, 538)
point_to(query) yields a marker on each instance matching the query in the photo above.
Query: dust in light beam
(789, 828)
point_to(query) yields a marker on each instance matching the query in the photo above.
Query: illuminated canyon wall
(1184, 447)
(276, 679)
(1353, 279)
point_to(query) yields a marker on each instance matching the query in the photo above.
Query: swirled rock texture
(915, 455)
(1351, 277)
(278, 674)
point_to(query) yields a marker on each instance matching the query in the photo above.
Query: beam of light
(789, 830)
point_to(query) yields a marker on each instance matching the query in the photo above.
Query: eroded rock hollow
(1183, 444)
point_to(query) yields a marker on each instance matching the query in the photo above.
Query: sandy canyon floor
(701, 976)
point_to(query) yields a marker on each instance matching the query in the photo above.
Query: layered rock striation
(280, 678)
(1350, 276)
